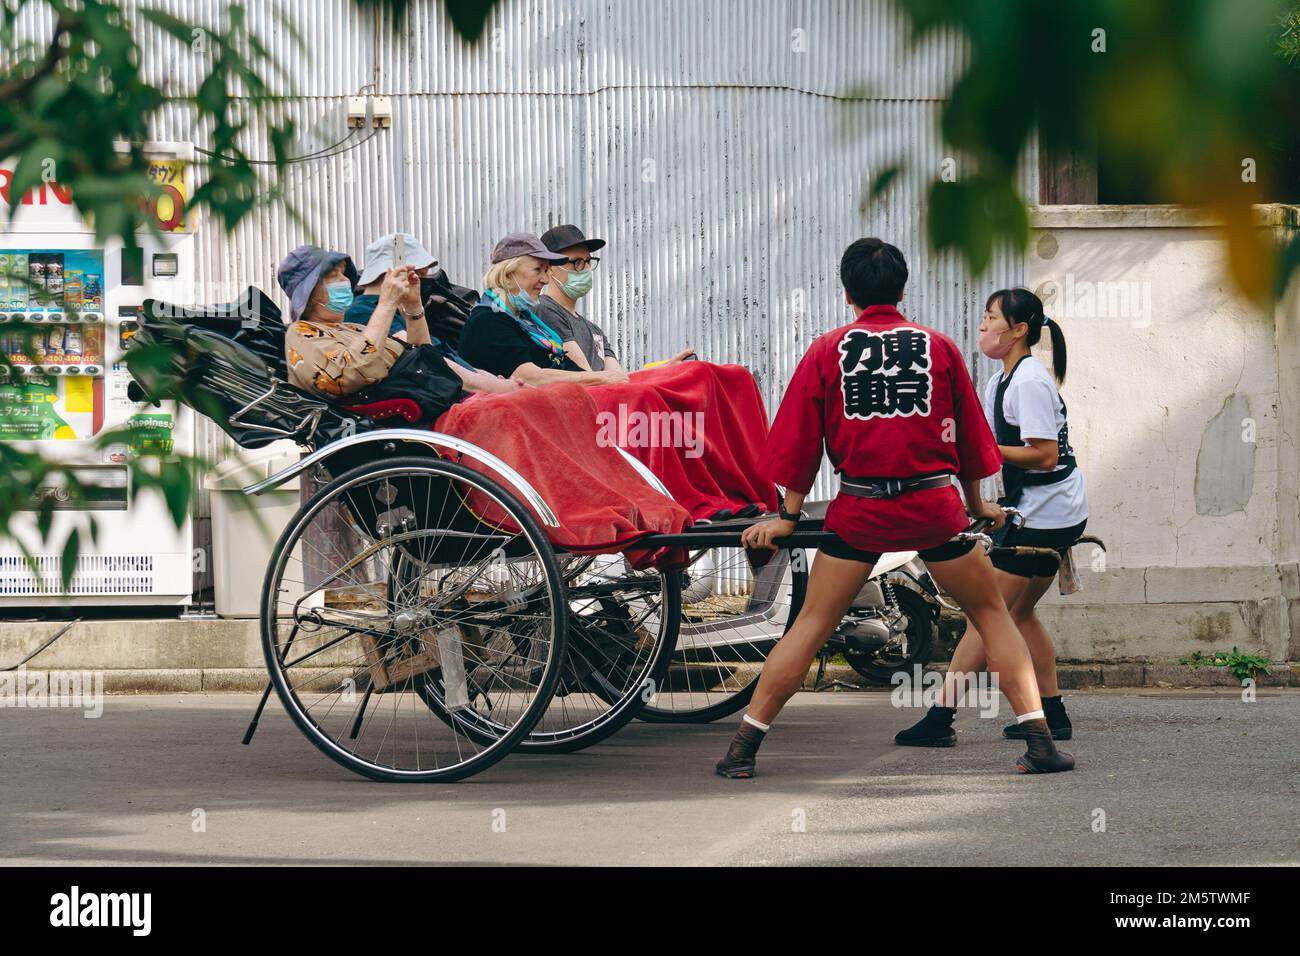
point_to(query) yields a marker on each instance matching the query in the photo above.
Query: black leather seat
(226, 361)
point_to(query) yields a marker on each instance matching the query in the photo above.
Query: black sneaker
(1042, 755)
(1058, 722)
(1013, 732)
(742, 756)
(1058, 762)
(932, 730)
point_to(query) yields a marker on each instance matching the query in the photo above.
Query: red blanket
(549, 436)
(698, 426)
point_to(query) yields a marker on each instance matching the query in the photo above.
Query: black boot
(932, 730)
(1058, 721)
(741, 755)
(1042, 755)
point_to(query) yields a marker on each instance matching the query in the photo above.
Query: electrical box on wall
(356, 112)
(383, 111)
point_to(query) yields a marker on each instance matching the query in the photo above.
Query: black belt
(1036, 478)
(890, 487)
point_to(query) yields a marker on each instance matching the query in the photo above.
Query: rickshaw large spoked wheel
(405, 575)
(732, 616)
(621, 633)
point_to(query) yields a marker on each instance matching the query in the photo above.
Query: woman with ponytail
(1042, 480)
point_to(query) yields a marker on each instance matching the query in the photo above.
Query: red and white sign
(50, 203)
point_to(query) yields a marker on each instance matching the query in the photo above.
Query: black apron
(1015, 480)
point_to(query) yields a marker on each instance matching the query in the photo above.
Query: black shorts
(839, 548)
(1035, 566)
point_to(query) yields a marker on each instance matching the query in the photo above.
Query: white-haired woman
(504, 334)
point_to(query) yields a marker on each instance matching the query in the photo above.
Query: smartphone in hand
(399, 251)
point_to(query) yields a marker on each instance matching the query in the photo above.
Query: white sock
(1032, 715)
(754, 723)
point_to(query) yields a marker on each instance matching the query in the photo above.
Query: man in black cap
(585, 343)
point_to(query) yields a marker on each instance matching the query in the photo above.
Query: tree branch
(53, 56)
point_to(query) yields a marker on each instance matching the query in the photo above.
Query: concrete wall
(1183, 399)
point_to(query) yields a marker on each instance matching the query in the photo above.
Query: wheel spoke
(732, 617)
(426, 640)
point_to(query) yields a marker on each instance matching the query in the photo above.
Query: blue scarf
(537, 330)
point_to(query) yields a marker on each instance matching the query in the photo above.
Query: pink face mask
(991, 343)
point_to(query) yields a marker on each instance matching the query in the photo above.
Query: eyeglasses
(581, 265)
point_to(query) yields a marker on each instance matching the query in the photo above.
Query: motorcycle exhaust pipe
(866, 635)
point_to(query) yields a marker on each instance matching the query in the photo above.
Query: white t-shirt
(1032, 404)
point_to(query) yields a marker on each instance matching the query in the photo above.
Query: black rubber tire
(621, 711)
(498, 747)
(922, 633)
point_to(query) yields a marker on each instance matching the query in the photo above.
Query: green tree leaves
(1175, 94)
(76, 107)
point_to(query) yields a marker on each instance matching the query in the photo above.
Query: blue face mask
(522, 300)
(339, 297)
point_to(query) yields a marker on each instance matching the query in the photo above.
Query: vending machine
(67, 386)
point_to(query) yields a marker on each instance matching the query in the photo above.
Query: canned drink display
(92, 344)
(54, 278)
(72, 343)
(18, 281)
(36, 275)
(54, 341)
(37, 344)
(13, 346)
(92, 290)
(72, 289)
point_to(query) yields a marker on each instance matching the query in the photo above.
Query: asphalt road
(1182, 778)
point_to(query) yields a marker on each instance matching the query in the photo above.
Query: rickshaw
(416, 622)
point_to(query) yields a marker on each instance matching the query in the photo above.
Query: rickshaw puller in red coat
(893, 405)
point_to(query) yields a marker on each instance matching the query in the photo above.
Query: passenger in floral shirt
(334, 358)
(327, 355)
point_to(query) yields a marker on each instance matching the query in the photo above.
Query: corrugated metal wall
(723, 147)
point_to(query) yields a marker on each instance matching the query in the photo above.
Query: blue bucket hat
(302, 269)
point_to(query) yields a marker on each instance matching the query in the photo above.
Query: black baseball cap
(568, 236)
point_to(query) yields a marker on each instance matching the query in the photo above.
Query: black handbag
(421, 374)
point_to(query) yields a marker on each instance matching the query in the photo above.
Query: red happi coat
(888, 399)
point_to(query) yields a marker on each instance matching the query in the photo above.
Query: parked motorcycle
(892, 625)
